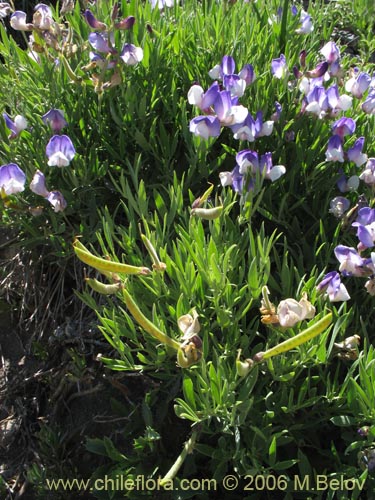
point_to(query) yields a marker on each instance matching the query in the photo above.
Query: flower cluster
(103, 57)
(59, 150)
(352, 262)
(220, 104)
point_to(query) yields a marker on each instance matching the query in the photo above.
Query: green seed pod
(207, 213)
(105, 289)
(299, 339)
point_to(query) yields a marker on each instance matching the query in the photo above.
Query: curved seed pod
(106, 265)
(207, 213)
(105, 289)
(299, 339)
(146, 324)
(199, 201)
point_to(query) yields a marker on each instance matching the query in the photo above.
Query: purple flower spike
(131, 54)
(205, 126)
(38, 184)
(343, 126)
(57, 200)
(125, 24)
(355, 154)
(55, 119)
(332, 286)
(93, 22)
(60, 151)
(278, 67)
(335, 151)
(12, 179)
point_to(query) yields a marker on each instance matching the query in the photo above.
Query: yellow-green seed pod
(105, 289)
(207, 213)
(104, 265)
(299, 339)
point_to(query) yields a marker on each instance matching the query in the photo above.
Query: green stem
(188, 448)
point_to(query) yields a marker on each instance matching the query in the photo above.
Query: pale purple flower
(368, 175)
(365, 224)
(12, 179)
(319, 70)
(343, 126)
(294, 10)
(276, 115)
(306, 24)
(336, 102)
(42, 18)
(205, 126)
(368, 105)
(335, 150)
(370, 287)
(93, 22)
(332, 286)
(338, 206)
(358, 84)
(60, 151)
(351, 263)
(18, 21)
(247, 74)
(57, 200)
(102, 42)
(131, 54)
(331, 52)
(251, 129)
(346, 184)
(355, 154)
(227, 111)
(290, 312)
(5, 9)
(204, 100)
(38, 184)
(316, 102)
(249, 161)
(55, 119)
(279, 67)
(16, 126)
(234, 84)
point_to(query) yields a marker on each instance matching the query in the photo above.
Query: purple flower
(335, 150)
(57, 200)
(332, 286)
(60, 151)
(358, 84)
(234, 84)
(319, 70)
(306, 24)
(278, 67)
(368, 175)
(343, 126)
(16, 127)
(204, 100)
(276, 115)
(368, 105)
(38, 184)
(93, 22)
(331, 52)
(351, 263)
(365, 224)
(55, 119)
(205, 126)
(247, 74)
(338, 206)
(131, 54)
(18, 21)
(12, 179)
(227, 111)
(102, 42)
(316, 101)
(355, 154)
(4, 9)
(42, 18)
(347, 184)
